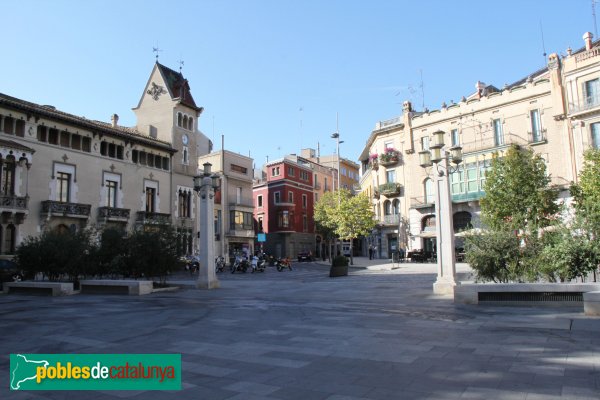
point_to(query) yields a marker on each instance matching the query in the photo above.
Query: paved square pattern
(376, 334)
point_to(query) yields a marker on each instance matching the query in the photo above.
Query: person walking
(370, 252)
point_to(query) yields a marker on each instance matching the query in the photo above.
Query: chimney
(480, 87)
(115, 120)
(587, 37)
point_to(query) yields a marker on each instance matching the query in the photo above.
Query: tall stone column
(207, 277)
(446, 266)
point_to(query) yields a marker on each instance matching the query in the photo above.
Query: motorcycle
(240, 264)
(258, 264)
(282, 263)
(219, 264)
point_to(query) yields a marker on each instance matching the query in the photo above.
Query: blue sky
(273, 74)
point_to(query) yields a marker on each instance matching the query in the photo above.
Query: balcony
(241, 233)
(113, 214)
(466, 197)
(586, 104)
(389, 158)
(317, 186)
(60, 209)
(390, 189)
(393, 219)
(13, 203)
(144, 218)
(422, 202)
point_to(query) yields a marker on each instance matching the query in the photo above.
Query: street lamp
(205, 186)
(446, 278)
(336, 136)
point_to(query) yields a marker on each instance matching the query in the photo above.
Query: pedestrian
(370, 252)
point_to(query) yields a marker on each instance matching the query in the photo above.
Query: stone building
(66, 172)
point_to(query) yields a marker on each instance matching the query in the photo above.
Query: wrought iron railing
(14, 202)
(390, 189)
(153, 218)
(113, 213)
(72, 209)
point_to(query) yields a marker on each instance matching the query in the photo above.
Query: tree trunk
(351, 252)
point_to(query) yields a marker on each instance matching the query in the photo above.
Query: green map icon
(23, 370)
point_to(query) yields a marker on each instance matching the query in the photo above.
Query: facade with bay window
(555, 111)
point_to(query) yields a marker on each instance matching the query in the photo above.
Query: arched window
(191, 124)
(396, 207)
(387, 207)
(7, 180)
(185, 155)
(9, 239)
(461, 221)
(62, 228)
(428, 188)
(179, 119)
(185, 121)
(428, 223)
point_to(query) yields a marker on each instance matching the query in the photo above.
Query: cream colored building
(234, 223)
(62, 171)
(553, 110)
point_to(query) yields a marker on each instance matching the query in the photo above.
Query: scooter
(258, 264)
(240, 264)
(282, 263)
(219, 264)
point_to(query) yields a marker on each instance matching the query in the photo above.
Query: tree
(587, 194)
(347, 215)
(323, 216)
(518, 194)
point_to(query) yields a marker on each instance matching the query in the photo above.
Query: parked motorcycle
(282, 263)
(240, 264)
(219, 264)
(258, 264)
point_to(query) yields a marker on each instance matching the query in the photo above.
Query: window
(425, 143)
(316, 181)
(391, 175)
(64, 139)
(388, 145)
(179, 119)
(9, 240)
(185, 203)
(304, 201)
(9, 125)
(344, 171)
(185, 121)
(284, 219)
(260, 224)
(259, 200)
(217, 224)
(42, 133)
(387, 207)
(316, 197)
(63, 186)
(396, 207)
(428, 187)
(457, 181)
(291, 171)
(325, 180)
(53, 136)
(472, 184)
(304, 223)
(461, 221)
(191, 124)
(8, 176)
(20, 128)
(150, 199)
(185, 156)
(238, 195)
(596, 135)
(76, 142)
(277, 197)
(290, 197)
(275, 171)
(536, 130)
(454, 137)
(304, 175)
(239, 220)
(484, 166)
(592, 92)
(498, 135)
(240, 169)
(111, 193)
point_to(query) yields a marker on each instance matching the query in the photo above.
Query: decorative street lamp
(336, 136)
(446, 278)
(205, 186)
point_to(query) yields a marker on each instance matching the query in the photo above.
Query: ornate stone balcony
(390, 189)
(144, 218)
(59, 209)
(113, 214)
(12, 202)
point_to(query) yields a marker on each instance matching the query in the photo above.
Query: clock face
(185, 139)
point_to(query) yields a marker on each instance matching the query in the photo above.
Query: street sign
(261, 237)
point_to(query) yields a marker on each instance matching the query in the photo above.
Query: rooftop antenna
(300, 110)
(180, 66)
(543, 43)
(156, 50)
(594, 16)
(422, 86)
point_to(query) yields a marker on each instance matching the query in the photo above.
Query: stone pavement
(376, 334)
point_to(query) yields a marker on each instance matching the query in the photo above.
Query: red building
(284, 207)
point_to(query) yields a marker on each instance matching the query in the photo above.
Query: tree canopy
(586, 194)
(518, 194)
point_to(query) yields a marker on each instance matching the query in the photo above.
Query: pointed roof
(178, 86)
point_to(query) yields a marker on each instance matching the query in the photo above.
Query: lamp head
(425, 159)
(335, 135)
(456, 155)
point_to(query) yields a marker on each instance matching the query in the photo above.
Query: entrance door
(392, 245)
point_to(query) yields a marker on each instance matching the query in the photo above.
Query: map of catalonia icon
(23, 370)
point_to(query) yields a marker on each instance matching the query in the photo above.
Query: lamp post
(446, 278)
(336, 136)
(205, 186)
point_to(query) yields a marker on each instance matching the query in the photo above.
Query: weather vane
(180, 65)
(156, 50)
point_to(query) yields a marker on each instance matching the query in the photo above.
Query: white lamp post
(446, 278)
(205, 185)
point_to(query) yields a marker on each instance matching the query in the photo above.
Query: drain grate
(531, 296)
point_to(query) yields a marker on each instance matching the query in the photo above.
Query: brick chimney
(587, 37)
(114, 120)
(480, 86)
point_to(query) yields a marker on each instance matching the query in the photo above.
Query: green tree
(323, 216)
(152, 253)
(518, 194)
(587, 195)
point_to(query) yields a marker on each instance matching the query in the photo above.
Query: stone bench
(524, 293)
(110, 286)
(39, 287)
(591, 303)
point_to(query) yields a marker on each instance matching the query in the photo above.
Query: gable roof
(178, 86)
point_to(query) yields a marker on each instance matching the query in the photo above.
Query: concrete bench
(591, 303)
(524, 293)
(110, 286)
(39, 287)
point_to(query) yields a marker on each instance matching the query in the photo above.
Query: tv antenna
(543, 43)
(422, 86)
(594, 16)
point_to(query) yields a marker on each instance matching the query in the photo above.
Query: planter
(338, 271)
(390, 162)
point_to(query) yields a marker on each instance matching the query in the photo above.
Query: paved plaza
(379, 333)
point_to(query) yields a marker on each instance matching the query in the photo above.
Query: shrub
(340, 261)
(152, 253)
(566, 257)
